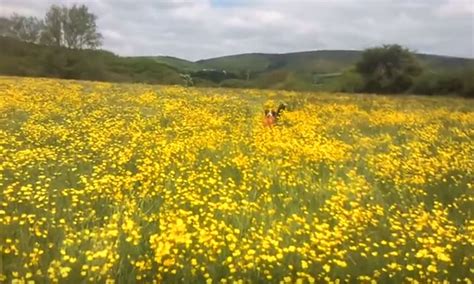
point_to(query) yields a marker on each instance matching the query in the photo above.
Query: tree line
(71, 27)
(395, 69)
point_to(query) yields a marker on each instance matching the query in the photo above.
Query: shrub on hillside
(350, 82)
(454, 83)
(388, 69)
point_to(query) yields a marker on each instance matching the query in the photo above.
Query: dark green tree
(26, 28)
(6, 27)
(388, 69)
(53, 26)
(73, 27)
(20, 27)
(80, 28)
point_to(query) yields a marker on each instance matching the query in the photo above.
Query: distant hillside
(322, 61)
(178, 63)
(445, 63)
(326, 70)
(27, 59)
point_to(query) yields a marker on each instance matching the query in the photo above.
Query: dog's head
(269, 113)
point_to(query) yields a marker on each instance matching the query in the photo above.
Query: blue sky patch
(226, 3)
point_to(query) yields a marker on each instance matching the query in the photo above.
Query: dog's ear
(281, 108)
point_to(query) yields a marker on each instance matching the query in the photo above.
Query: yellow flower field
(126, 183)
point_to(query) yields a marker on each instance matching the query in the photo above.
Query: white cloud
(196, 29)
(456, 8)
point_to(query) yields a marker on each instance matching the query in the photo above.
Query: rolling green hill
(235, 63)
(327, 70)
(311, 61)
(26, 59)
(322, 61)
(178, 63)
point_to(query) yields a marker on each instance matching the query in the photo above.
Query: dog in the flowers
(272, 116)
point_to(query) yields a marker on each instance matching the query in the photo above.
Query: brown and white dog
(271, 116)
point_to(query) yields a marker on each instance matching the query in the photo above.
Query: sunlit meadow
(109, 182)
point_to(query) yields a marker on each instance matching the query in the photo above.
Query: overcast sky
(197, 29)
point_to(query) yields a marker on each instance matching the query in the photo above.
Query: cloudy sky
(197, 29)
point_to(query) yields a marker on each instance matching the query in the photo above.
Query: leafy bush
(453, 83)
(271, 79)
(350, 82)
(388, 69)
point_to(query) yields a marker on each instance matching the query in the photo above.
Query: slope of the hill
(313, 61)
(26, 59)
(327, 70)
(178, 63)
(321, 61)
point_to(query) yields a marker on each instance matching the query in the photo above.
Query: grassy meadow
(104, 183)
